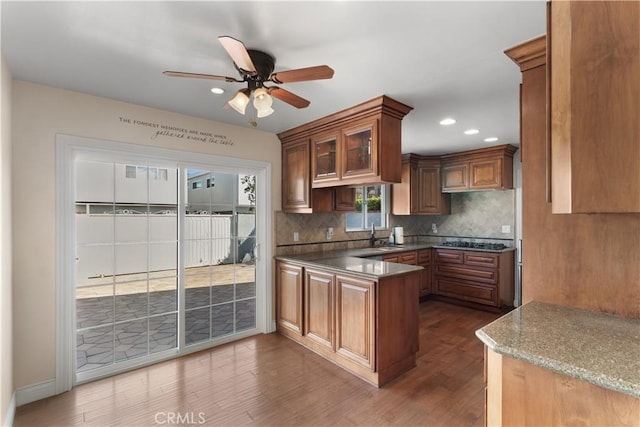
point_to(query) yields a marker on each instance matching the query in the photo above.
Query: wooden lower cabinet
(420, 257)
(480, 279)
(424, 261)
(355, 320)
(289, 290)
(367, 326)
(521, 394)
(319, 307)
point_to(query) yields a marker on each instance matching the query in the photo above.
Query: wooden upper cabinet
(324, 158)
(296, 188)
(419, 193)
(483, 169)
(593, 59)
(356, 146)
(455, 176)
(360, 150)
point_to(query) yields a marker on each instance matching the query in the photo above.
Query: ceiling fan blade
(303, 74)
(200, 76)
(238, 53)
(288, 97)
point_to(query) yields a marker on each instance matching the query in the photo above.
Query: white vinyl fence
(207, 240)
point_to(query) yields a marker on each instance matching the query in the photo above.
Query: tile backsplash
(474, 215)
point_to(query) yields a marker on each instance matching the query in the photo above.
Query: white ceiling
(441, 58)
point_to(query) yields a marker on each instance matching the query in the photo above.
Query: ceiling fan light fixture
(262, 101)
(240, 101)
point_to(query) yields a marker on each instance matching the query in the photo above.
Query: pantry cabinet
(356, 146)
(593, 64)
(420, 192)
(482, 169)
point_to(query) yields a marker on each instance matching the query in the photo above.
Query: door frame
(68, 149)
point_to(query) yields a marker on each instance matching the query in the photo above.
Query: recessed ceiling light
(217, 90)
(471, 131)
(448, 121)
(491, 139)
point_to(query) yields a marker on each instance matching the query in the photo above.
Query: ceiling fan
(256, 69)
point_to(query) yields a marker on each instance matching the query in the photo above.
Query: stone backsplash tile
(474, 215)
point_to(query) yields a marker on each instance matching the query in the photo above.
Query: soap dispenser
(392, 240)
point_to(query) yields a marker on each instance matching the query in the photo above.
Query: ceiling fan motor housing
(264, 64)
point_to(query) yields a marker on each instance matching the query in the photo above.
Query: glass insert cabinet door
(325, 158)
(360, 150)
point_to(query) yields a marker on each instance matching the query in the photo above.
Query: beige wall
(39, 113)
(6, 313)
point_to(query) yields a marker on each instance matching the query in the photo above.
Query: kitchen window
(372, 208)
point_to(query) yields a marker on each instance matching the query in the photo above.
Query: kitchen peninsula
(361, 314)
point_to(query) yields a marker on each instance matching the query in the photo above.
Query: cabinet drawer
(473, 292)
(481, 259)
(449, 257)
(461, 272)
(410, 258)
(424, 256)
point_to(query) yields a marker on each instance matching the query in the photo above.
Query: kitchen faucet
(372, 239)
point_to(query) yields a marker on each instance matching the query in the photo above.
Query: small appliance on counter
(399, 235)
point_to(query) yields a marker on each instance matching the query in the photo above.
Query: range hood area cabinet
(482, 169)
(360, 145)
(419, 193)
(593, 59)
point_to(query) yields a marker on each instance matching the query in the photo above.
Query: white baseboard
(11, 412)
(33, 392)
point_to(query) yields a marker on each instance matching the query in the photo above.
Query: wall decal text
(159, 130)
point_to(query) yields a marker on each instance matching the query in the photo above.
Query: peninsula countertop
(599, 348)
(356, 261)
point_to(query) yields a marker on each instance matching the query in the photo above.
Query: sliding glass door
(165, 261)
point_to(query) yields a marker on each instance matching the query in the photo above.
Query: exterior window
(196, 184)
(130, 171)
(372, 207)
(211, 182)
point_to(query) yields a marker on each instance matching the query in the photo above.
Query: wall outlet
(329, 233)
(296, 236)
(506, 229)
(434, 227)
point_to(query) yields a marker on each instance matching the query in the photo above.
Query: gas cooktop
(474, 245)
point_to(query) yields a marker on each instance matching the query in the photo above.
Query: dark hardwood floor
(270, 380)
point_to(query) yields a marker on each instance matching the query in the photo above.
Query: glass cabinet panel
(358, 150)
(324, 158)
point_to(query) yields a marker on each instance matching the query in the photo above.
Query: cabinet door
(455, 177)
(485, 174)
(296, 196)
(594, 64)
(319, 307)
(345, 199)
(324, 159)
(359, 150)
(424, 261)
(430, 199)
(355, 320)
(289, 296)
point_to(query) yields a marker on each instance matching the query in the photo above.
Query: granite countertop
(355, 261)
(599, 348)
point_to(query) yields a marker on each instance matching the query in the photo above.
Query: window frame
(385, 190)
